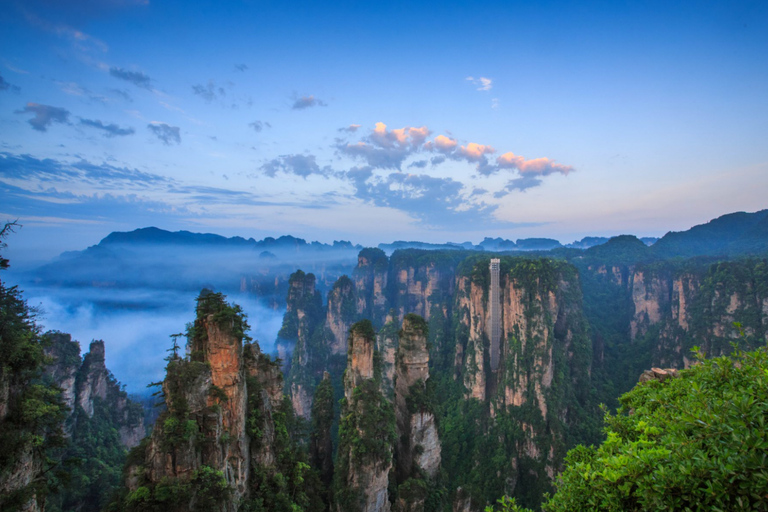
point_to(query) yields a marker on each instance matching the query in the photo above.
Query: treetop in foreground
(695, 442)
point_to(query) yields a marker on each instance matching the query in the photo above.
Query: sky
(378, 121)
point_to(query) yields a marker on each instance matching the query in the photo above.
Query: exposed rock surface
(371, 279)
(366, 431)
(418, 441)
(341, 313)
(85, 381)
(221, 402)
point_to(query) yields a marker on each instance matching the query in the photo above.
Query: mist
(136, 325)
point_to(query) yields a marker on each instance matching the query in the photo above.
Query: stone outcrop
(303, 317)
(83, 382)
(220, 403)
(371, 282)
(321, 440)
(367, 431)
(341, 313)
(418, 450)
(658, 374)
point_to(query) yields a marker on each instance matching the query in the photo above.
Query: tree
(696, 442)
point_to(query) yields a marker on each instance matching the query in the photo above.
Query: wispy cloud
(137, 78)
(167, 134)
(44, 115)
(27, 168)
(241, 67)
(300, 165)
(304, 102)
(5, 86)
(110, 130)
(209, 92)
(350, 129)
(482, 83)
(259, 125)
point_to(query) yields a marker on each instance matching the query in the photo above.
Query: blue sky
(374, 122)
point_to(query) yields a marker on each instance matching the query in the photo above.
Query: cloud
(137, 78)
(522, 183)
(166, 133)
(399, 136)
(419, 164)
(438, 202)
(111, 130)
(483, 83)
(442, 143)
(307, 101)
(209, 92)
(259, 125)
(475, 152)
(241, 67)
(300, 165)
(536, 166)
(45, 115)
(5, 86)
(75, 89)
(386, 149)
(28, 168)
(350, 129)
(123, 94)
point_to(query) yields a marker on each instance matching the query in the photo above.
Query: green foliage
(697, 442)
(95, 458)
(205, 491)
(229, 317)
(291, 485)
(32, 425)
(366, 436)
(375, 256)
(506, 504)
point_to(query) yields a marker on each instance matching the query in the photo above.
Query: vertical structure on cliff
(495, 303)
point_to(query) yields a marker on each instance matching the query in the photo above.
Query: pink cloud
(542, 166)
(474, 151)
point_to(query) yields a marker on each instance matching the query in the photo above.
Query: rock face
(418, 442)
(341, 313)
(366, 432)
(371, 281)
(418, 445)
(221, 403)
(85, 381)
(321, 440)
(303, 317)
(672, 307)
(544, 347)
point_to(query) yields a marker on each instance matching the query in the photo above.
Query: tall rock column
(321, 444)
(366, 431)
(302, 325)
(418, 445)
(371, 279)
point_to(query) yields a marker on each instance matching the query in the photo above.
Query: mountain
(728, 235)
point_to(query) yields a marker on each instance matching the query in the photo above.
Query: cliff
(101, 423)
(223, 442)
(371, 282)
(418, 450)
(367, 429)
(534, 406)
(302, 332)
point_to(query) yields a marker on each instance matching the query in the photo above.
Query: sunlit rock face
(221, 402)
(367, 415)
